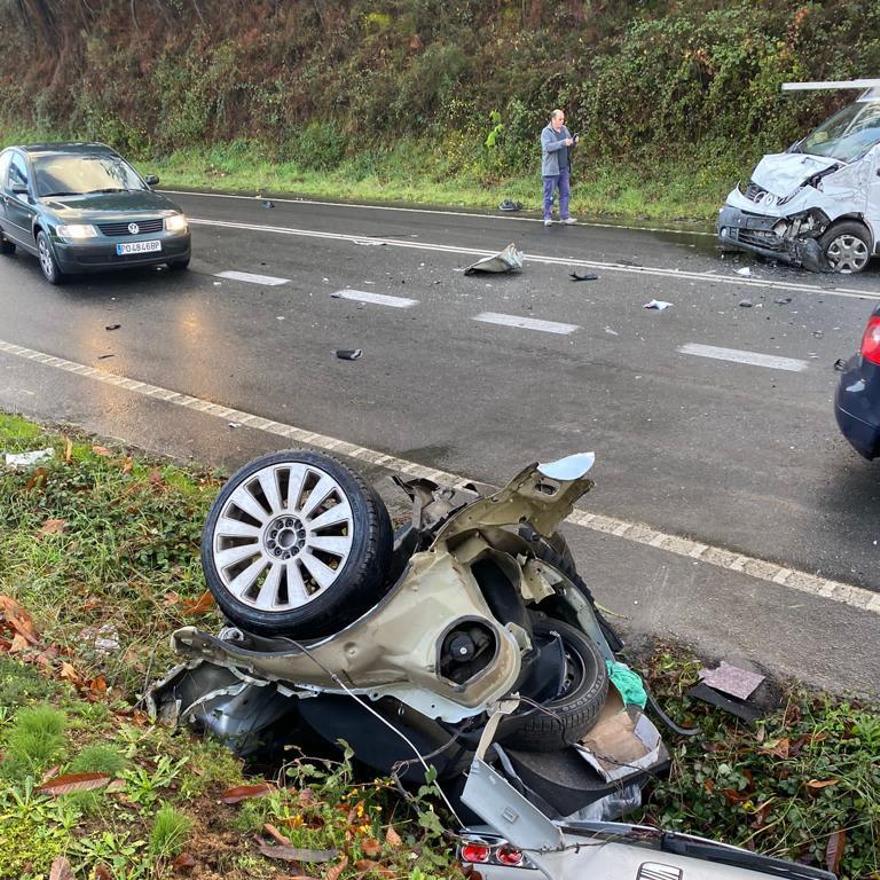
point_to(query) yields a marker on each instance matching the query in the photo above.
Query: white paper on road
(525, 323)
(379, 299)
(267, 280)
(752, 358)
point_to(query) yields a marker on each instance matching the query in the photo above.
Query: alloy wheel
(847, 253)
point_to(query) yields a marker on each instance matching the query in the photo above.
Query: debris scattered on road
(782, 300)
(739, 709)
(732, 680)
(367, 242)
(657, 305)
(234, 424)
(348, 354)
(611, 332)
(510, 205)
(268, 204)
(746, 272)
(217, 283)
(579, 275)
(279, 317)
(20, 460)
(840, 365)
(113, 326)
(745, 303)
(104, 639)
(818, 334)
(508, 260)
(103, 357)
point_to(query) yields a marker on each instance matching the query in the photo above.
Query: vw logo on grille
(133, 228)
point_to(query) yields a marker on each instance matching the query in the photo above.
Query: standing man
(556, 141)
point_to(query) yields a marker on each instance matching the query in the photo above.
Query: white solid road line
(836, 591)
(250, 278)
(656, 271)
(526, 323)
(440, 211)
(378, 299)
(737, 356)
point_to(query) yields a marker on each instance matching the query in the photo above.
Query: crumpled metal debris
(21, 460)
(508, 260)
(657, 305)
(510, 205)
(579, 275)
(349, 354)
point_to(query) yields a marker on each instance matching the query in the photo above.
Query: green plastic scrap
(628, 683)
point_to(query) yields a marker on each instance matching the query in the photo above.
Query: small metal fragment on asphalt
(782, 300)
(234, 425)
(348, 354)
(745, 303)
(746, 272)
(840, 365)
(366, 242)
(268, 204)
(113, 326)
(657, 305)
(103, 357)
(578, 275)
(611, 332)
(508, 260)
(818, 334)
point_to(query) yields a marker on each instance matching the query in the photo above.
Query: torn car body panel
(795, 198)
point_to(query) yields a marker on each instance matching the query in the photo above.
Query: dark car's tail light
(871, 340)
(507, 855)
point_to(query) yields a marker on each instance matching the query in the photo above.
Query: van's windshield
(846, 135)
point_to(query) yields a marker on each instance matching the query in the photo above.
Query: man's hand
(568, 142)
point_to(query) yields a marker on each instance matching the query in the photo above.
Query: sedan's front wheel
(48, 263)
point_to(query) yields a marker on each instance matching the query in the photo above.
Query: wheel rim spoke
(296, 587)
(338, 546)
(244, 581)
(243, 500)
(337, 514)
(225, 558)
(296, 480)
(318, 495)
(323, 574)
(269, 484)
(235, 528)
(267, 598)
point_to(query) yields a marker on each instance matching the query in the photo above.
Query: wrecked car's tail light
(476, 853)
(871, 341)
(507, 855)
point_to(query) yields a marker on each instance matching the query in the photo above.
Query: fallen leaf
(296, 854)
(37, 479)
(368, 866)
(103, 451)
(834, 851)
(733, 796)
(68, 673)
(102, 872)
(98, 685)
(371, 847)
(115, 786)
(779, 748)
(243, 792)
(156, 479)
(127, 465)
(74, 782)
(183, 863)
(52, 527)
(61, 869)
(392, 838)
(170, 598)
(18, 618)
(334, 872)
(818, 784)
(275, 834)
(204, 603)
(50, 773)
(68, 450)
(18, 643)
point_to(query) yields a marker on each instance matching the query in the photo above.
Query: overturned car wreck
(465, 643)
(816, 205)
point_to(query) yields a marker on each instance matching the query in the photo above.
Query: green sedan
(83, 208)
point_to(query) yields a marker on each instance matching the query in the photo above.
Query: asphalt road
(479, 375)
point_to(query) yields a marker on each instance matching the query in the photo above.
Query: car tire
(846, 247)
(6, 246)
(48, 263)
(179, 265)
(280, 561)
(563, 721)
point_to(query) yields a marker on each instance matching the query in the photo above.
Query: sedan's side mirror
(19, 189)
(152, 180)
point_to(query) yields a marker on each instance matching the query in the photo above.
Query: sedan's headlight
(176, 223)
(76, 230)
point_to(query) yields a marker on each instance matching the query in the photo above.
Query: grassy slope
(102, 537)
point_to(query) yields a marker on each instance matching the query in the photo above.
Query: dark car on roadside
(857, 402)
(80, 207)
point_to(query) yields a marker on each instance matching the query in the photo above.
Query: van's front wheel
(847, 247)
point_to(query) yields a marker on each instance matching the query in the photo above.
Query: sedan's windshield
(75, 175)
(846, 135)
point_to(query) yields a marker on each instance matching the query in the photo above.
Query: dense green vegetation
(436, 100)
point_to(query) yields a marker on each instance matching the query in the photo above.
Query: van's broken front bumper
(775, 237)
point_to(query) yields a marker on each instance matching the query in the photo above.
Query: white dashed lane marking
(250, 278)
(526, 323)
(378, 299)
(762, 569)
(737, 356)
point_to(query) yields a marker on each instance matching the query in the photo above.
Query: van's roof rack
(831, 84)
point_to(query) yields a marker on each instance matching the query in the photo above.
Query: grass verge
(99, 562)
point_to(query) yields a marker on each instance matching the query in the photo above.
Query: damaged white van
(818, 203)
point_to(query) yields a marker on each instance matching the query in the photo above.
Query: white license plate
(138, 247)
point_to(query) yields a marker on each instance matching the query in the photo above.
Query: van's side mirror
(152, 180)
(19, 189)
